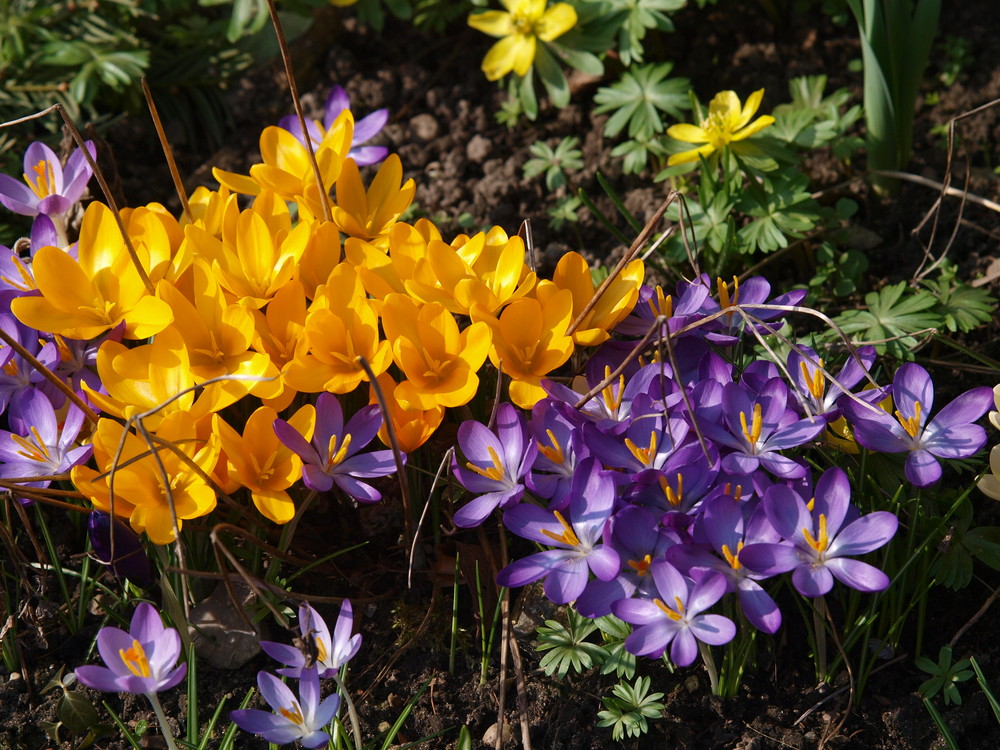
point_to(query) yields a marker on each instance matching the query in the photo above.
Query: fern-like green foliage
(891, 320)
(554, 163)
(628, 709)
(567, 646)
(638, 99)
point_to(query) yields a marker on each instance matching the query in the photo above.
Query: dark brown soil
(467, 166)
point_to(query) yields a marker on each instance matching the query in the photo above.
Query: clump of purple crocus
(299, 719)
(951, 434)
(330, 653)
(365, 128)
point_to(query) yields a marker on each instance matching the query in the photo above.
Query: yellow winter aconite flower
(530, 341)
(260, 462)
(520, 27)
(86, 297)
(139, 491)
(440, 363)
(727, 121)
(573, 273)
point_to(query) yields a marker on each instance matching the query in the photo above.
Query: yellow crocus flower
(727, 122)
(260, 462)
(86, 297)
(519, 28)
(440, 363)
(412, 427)
(368, 214)
(573, 273)
(139, 491)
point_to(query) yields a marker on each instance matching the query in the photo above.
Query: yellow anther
(911, 424)
(673, 497)
(816, 383)
(494, 472)
(44, 181)
(664, 304)
(25, 283)
(641, 567)
(135, 659)
(733, 559)
(568, 536)
(294, 714)
(752, 434)
(724, 299)
(612, 400)
(673, 614)
(643, 455)
(335, 455)
(554, 452)
(36, 451)
(736, 493)
(818, 544)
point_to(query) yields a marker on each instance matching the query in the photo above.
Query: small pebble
(424, 127)
(478, 149)
(490, 737)
(14, 676)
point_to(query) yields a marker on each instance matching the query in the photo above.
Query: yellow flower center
(731, 558)
(725, 300)
(816, 383)
(44, 181)
(641, 567)
(555, 452)
(817, 543)
(735, 492)
(721, 123)
(36, 451)
(673, 614)
(135, 659)
(752, 434)
(494, 472)
(568, 536)
(673, 497)
(293, 714)
(663, 305)
(337, 455)
(612, 400)
(911, 424)
(643, 455)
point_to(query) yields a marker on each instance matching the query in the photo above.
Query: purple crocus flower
(728, 329)
(496, 467)
(576, 538)
(818, 544)
(673, 617)
(140, 661)
(653, 303)
(38, 447)
(50, 189)
(646, 443)
(301, 719)
(950, 434)
(364, 129)
(331, 653)
(333, 456)
(128, 558)
(560, 449)
(758, 429)
(723, 522)
(639, 541)
(822, 400)
(16, 375)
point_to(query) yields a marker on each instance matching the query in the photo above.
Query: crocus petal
(684, 649)
(958, 441)
(967, 408)
(604, 561)
(770, 559)
(760, 609)
(714, 630)
(637, 611)
(858, 575)
(651, 639)
(531, 568)
(922, 469)
(913, 384)
(812, 581)
(864, 535)
(98, 678)
(284, 654)
(567, 581)
(369, 125)
(273, 728)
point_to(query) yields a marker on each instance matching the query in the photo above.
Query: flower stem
(713, 674)
(162, 718)
(355, 724)
(819, 635)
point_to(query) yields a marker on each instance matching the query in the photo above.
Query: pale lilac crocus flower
(818, 545)
(950, 434)
(496, 467)
(142, 661)
(332, 458)
(674, 616)
(299, 719)
(331, 653)
(365, 128)
(821, 397)
(575, 536)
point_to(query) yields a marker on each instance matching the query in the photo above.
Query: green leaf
(567, 646)
(76, 712)
(639, 97)
(896, 312)
(962, 307)
(552, 77)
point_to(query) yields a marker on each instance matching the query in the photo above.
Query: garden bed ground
(465, 165)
